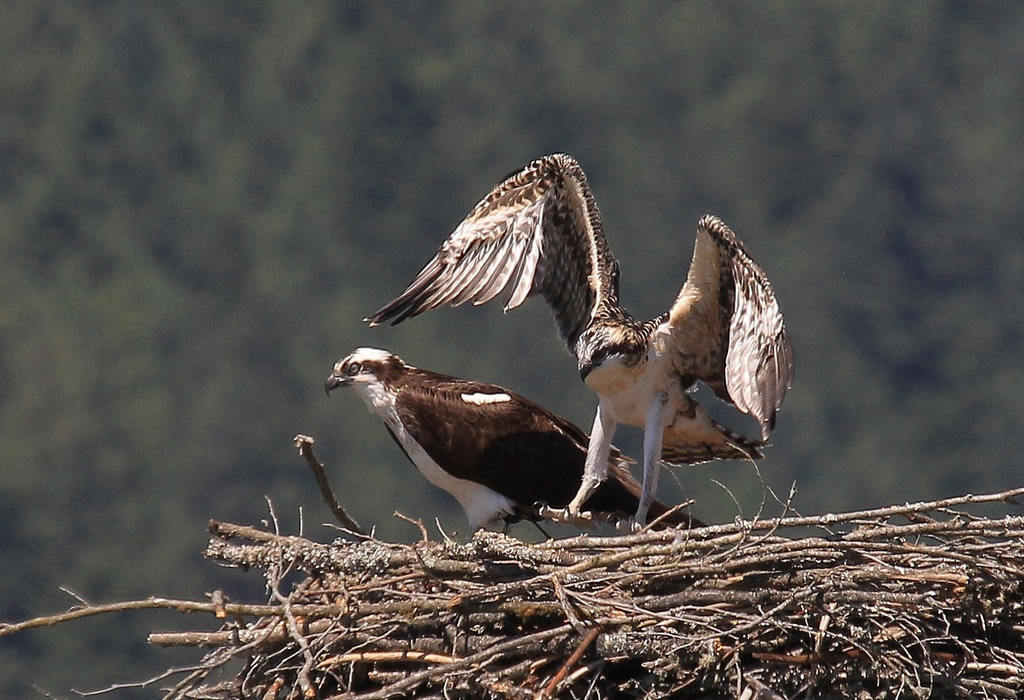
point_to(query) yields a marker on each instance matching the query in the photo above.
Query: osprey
(540, 232)
(496, 452)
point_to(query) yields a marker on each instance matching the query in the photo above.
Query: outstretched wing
(727, 329)
(538, 232)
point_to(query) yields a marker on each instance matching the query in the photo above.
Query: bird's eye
(353, 369)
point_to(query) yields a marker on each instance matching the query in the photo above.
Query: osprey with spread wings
(540, 232)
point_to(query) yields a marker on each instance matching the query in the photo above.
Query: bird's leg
(654, 432)
(596, 467)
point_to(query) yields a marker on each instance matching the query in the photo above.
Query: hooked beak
(333, 382)
(585, 369)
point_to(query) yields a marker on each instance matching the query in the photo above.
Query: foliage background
(200, 201)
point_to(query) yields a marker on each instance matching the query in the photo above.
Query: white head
(365, 367)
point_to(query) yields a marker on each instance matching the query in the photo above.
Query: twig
(305, 445)
(387, 656)
(669, 514)
(273, 515)
(274, 579)
(822, 521)
(73, 594)
(154, 603)
(418, 523)
(573, 659)
(480, 658)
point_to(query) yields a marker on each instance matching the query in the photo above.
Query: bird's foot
(584, 519)
(587, 488)
(627, 526)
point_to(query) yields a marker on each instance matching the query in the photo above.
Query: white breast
(482, 504)
(629, 391)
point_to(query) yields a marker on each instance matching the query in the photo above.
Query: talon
(573, 509)
(586, 519)
(549, 513)
(627, 526)
(587, 488)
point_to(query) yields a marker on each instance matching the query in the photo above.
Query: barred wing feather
(538, 232)
(728, 326)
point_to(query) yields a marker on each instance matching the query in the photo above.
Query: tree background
(199, 202)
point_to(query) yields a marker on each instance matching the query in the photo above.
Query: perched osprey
(496, 452)
(540, 232)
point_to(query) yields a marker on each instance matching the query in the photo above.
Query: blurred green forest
(199, 202)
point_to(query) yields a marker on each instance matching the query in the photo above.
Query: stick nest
(919, 600)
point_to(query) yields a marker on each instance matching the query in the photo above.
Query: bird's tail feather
(683, 447)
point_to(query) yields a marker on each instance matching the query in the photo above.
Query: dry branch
(917, 599)
(913, 600)
(304, 444)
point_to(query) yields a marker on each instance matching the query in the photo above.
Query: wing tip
(411, 302)
(383, 315)
(393, 314)
(711, 222)
(718, 230)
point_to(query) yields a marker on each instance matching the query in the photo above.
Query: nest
(914, 600)
(919, 600)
